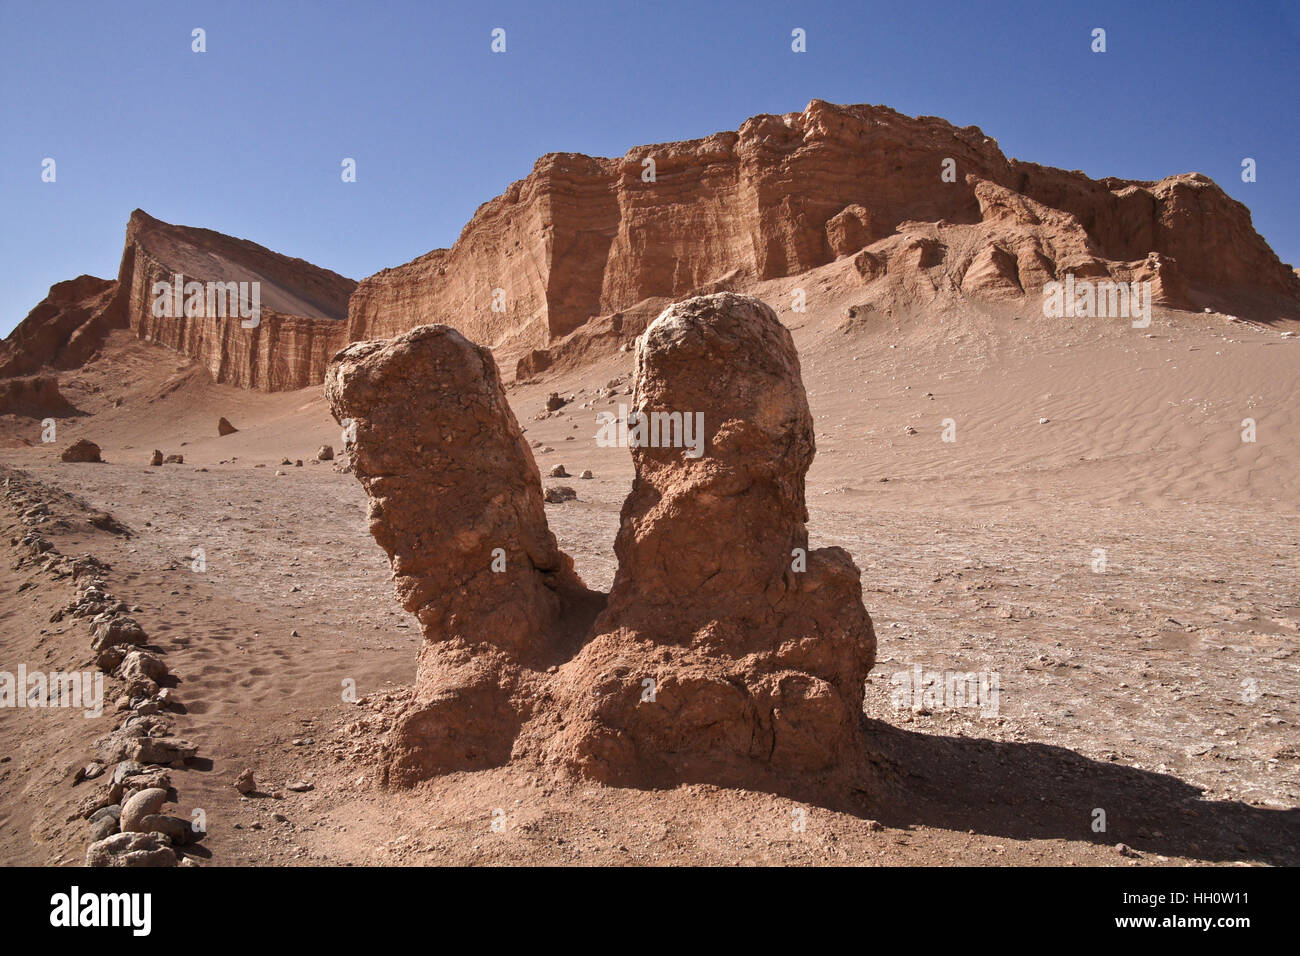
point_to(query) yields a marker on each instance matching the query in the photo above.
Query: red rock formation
(728, 652)
(301, 322)
(755, 649)
(456, 502)
(583, 237)
(63, 331)
(301, 305)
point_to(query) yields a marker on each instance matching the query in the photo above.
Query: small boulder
(176, 830)
(157, 459)
(153, 777)
(246, 784)
(125, 769)
(225, 428)
(130, 849)
(138, 689)
(560, 494)
(138, 806)
(112, 810)
(81, 450)
(554, 401)
(108, 659)
(142, 665)
(162, 750)
(111, 631)
(326, 453)
(558, 472)
(174, 460)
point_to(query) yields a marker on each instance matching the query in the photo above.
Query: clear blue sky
(247, 138)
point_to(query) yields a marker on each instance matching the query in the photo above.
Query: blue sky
(248, 137)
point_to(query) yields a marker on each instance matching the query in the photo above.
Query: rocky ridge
(581, 254)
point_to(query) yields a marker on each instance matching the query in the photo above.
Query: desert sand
(1161, 688)
(967, 576)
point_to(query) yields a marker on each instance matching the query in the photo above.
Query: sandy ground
(1160, 687)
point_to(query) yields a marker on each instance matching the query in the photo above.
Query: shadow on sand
(1031, 791)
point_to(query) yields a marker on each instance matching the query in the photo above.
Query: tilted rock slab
(456, 502)
(301, 305)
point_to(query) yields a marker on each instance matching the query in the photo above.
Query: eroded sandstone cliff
(932, 214)
(301, 305)
(583, 237)
(300, 319)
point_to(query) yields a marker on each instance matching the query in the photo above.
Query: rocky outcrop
(301, 305)
(728, 650)
(63, 331)
(583, 237)
(34, 396)
(456, 503)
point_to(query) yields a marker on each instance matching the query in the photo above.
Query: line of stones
(127, 825)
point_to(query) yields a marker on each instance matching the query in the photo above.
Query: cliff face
(302, 306)
(583, 237)
(301, 320)
(931, 214)
(284, 352)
